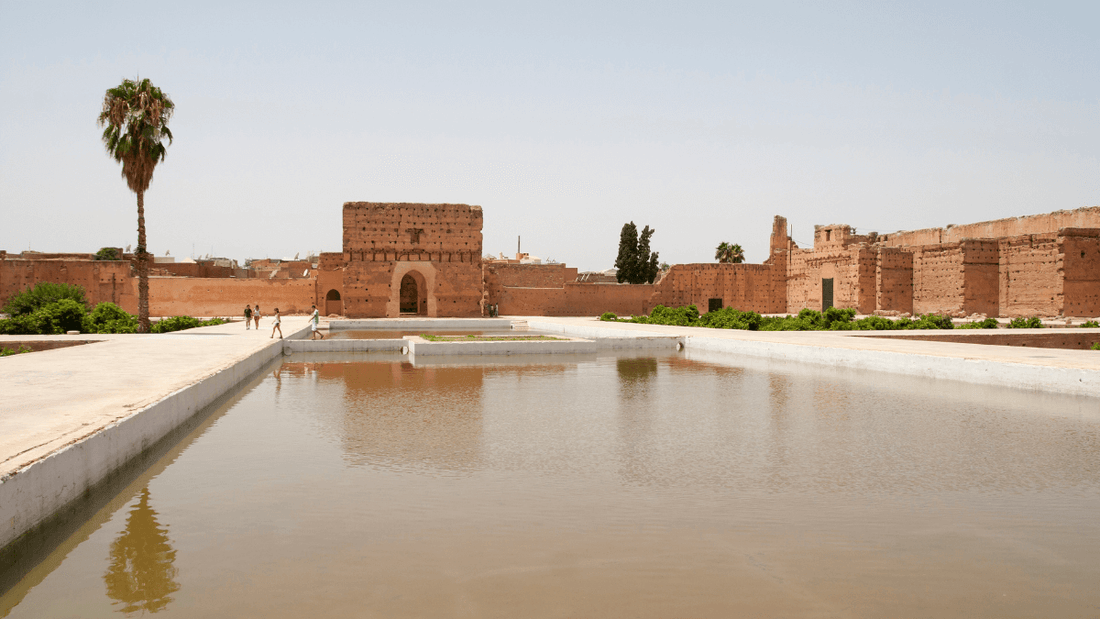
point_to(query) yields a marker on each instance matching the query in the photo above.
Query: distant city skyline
(563, 121)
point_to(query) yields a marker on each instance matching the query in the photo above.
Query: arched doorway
(411, 297)
(333, 304)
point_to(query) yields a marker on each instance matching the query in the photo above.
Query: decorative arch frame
(423, 273)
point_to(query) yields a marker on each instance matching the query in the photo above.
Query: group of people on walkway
(251, 315)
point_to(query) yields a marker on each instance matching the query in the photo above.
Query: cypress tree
(635, 263)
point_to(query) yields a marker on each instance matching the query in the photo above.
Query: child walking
(278, 321)
(315, 323)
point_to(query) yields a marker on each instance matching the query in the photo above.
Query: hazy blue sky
(561, 120)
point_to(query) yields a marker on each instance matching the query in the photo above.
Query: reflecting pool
(601, 486)
(384, 334)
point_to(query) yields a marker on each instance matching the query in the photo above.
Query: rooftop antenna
(518, 251)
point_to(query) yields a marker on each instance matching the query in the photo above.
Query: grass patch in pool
(489, 338)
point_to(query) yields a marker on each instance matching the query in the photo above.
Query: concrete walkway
(70, 416)
(56, 397)
(1074, 372)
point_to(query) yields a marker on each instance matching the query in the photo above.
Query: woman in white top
(276, 326)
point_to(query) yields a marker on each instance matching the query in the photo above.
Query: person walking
(314, 323)
(256, 316)
(247, 317)
(275, 326)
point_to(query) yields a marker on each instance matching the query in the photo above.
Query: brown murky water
(616, 486)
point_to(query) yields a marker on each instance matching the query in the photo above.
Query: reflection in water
(141, 575)
(397, 416)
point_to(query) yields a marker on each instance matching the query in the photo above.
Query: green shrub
(678, 316)
(1096, 345)
(1091, 324)
(110, 318)
(213, 322)
(729, 318)
(42, 295)
(988, 323)
(61, 316)
(932, 321)
(608, 316)
(7, 352)
(107, 253)
(25, 324)
(1026, 323)
(833, 318)
(52, 319)
(175, 323)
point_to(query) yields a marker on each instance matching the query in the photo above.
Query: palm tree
(721, 253)
(136, 114)
(737, 255)
(729, 252)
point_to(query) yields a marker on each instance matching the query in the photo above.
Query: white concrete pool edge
(36, 492)
(1033, 377)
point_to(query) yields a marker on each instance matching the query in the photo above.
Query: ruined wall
(747, 287)
(1081, 272)
(937, 279)
(1087, 217)
(534, 275)
(179, 296)
(102, 280)
(957, 279)
(1030, 276)
(894, 280)
(861, 279)
(574, 299)
(807, 269)
(981, 258)
(191, 269)
(438, 244)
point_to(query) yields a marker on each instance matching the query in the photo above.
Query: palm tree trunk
(142, 268)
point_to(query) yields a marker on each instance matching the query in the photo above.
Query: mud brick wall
(367, 288)
(938, 279)
(747, 287)
(458, 289)
(1081, 271)
(535, 275)
(330, 261)
(178, 296)
(575, 299)
(1088, 217)
(102, 280)
(861, 279)
(807, 268)
(981, 258)
(192, 269)
(894, 280)
(382, 232)
(1030, 276)
(801, 279)
(437, 244)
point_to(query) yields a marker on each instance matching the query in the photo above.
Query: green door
(826, 294)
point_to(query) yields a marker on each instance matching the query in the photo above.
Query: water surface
(610, 486)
